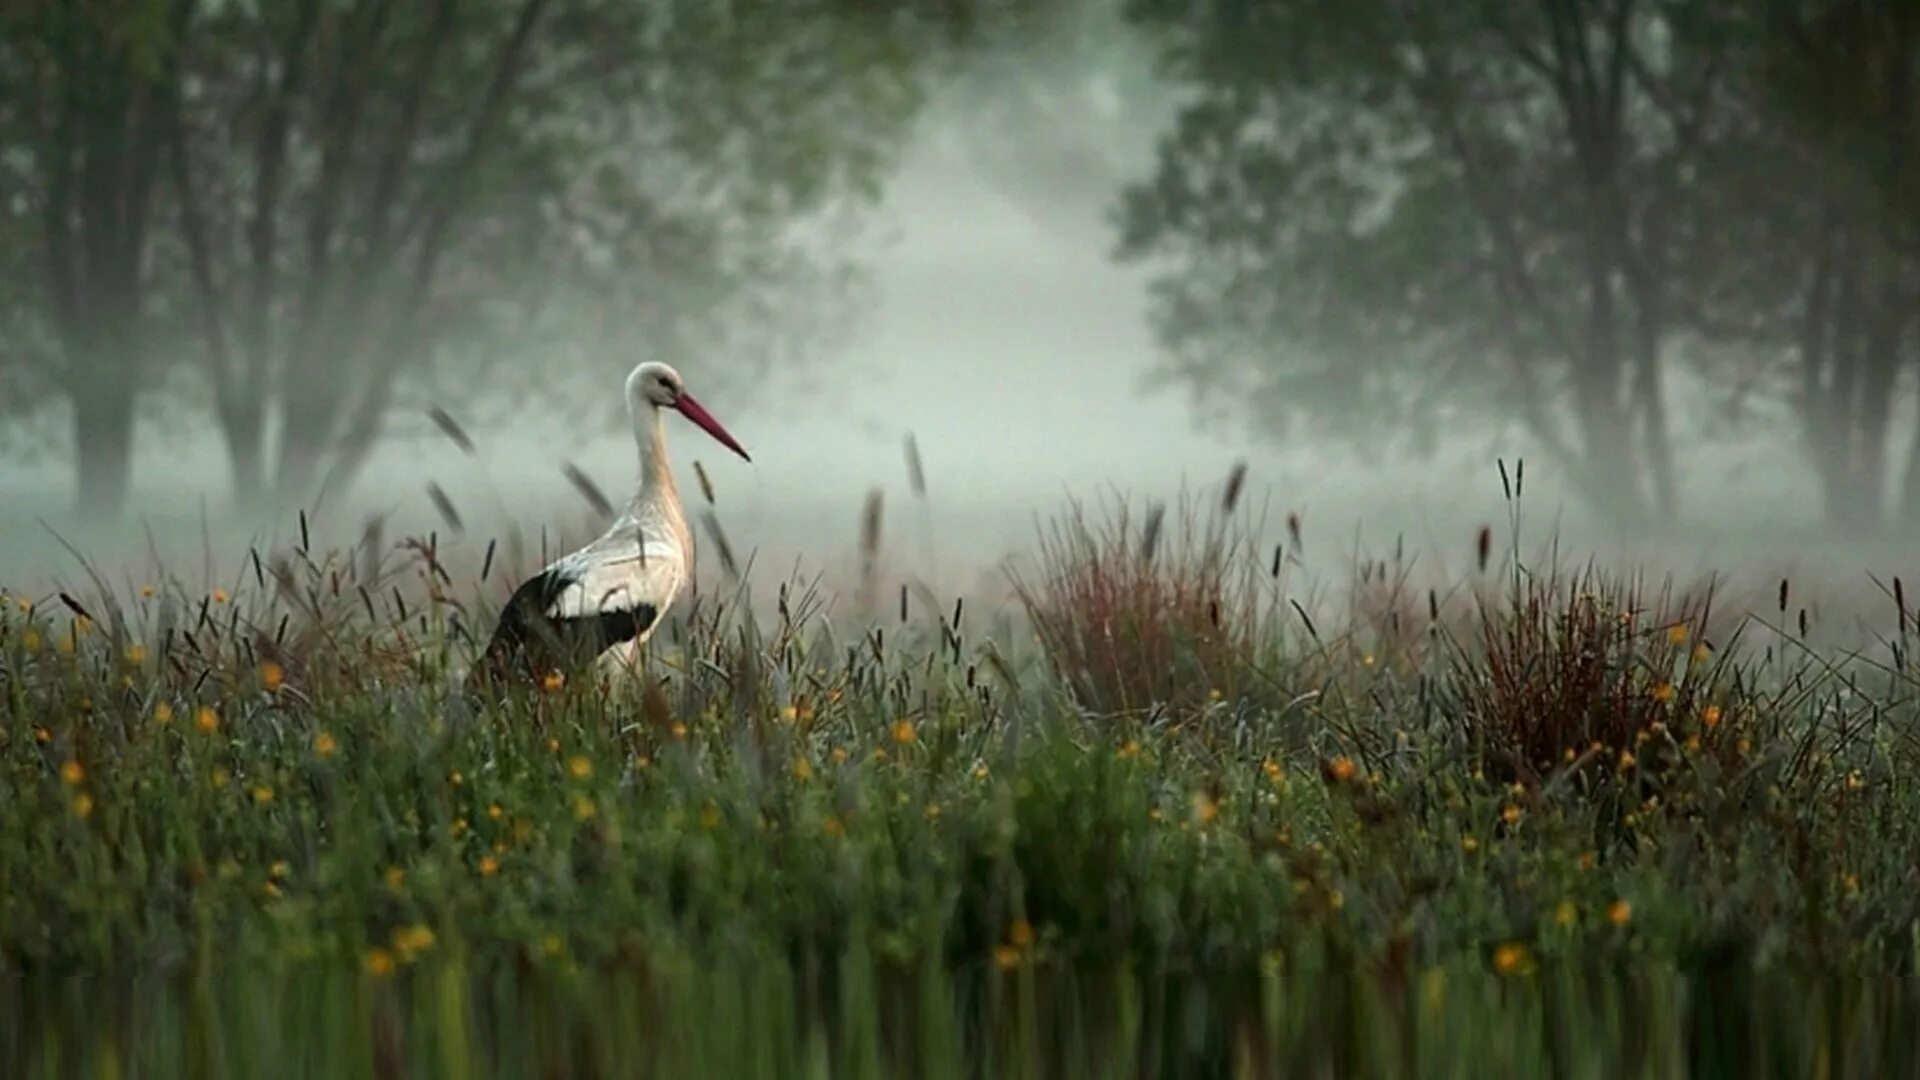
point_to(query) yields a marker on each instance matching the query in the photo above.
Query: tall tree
(1418, 212)
(372, 192)
(84, 88)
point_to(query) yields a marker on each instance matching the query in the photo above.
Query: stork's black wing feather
(532, 638)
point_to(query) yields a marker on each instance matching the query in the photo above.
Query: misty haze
(1265, 486)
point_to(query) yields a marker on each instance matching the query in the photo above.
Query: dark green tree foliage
(330, 209)
(1419, 216)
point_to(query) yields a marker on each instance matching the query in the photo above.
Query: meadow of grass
(1179, 819)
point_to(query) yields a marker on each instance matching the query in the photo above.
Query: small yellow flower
(1710, 716)
(553, 745)
(72, 774)
(583, 807)
(709, 817)
(30, 641)
(1743, 746)
(1342, 769)
(838, 755)
(1020, 934)
(802, 768)
(163, 714)
(1701, 654)
(1130, 749)
(1205, 809)
(1852, 884)
(221, 778)
(324, 745)
(136, 654)
(279, 869)
(551, 945)
(903, 732)
(1587, 860)
(933, 811)
(378, 962)
(1855, 781)
(1469, 843)
(411, 941)
(1512, 958)
(396, 878)
(1367, 660)
(42, 736)
(262, 795)
(456, 778)
(1663, 692)
(272, 677)
(834, 827)
(980, 772)
(679, 730)
(220, 596)
(489, 866)
(1213, 694)
(579, 767)
(1677, 634)
(206, 719)
(553, 681)
(494, 813)
(146, 592)
(270, 889)
(1272, 769)
(1566, 914)
(458, 828)
(1006, 957)
(1620, 912)
(879, 753)
(83, 806)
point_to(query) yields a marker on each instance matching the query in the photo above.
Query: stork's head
(654, 385)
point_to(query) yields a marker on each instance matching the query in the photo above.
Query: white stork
(603, 600)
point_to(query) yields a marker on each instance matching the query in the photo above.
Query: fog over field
(1004, 338)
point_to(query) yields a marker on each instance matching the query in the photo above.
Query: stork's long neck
(656, 494)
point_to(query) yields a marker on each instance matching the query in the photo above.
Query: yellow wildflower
(1020, 934)
(583, 807)
(489, 866)
(42, 736)
(1205, 809)
(378, 962)
(72, 774)
(980, 772)
(834, 827)
(1566, 914)
(206, 719)
(1587, 860)
(903, 732)
(220, 596)
(494, 813)
(1677, 633)
(1512, 958)
(1663, 691)
(220, 777)
(1341, 769)
(679, 730)
(279, 869)
(1006, 957)
(1620, 912)
(553, 681)
(1710, 716)
(272, 676)
(579, 766)
(83, 806)
(802, 768)
(1469, 843)
(411, 941)
(163, 714)
(839, 755)
(263, 795)
(396, 878)
(270, 889)
(324, 745)
(30, 641)
(136, 654)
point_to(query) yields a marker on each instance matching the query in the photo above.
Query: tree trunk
(243, 428)
(103, 447)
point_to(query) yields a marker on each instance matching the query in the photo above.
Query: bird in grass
(602, 601)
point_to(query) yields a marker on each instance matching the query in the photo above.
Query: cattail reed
(588, 490)
(445, 507)
(903, 602)
(916, 476)
(1900, 601)
(1506, 485)
(870, 550)
(1150, 535)
(1783, 596)
(486, 563)
(706, 485)
(727, 563)
(1293, 531)
(1279, 553)
(451, 429)
(1483, 547)
(1236, 479)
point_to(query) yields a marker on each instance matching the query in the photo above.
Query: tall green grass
(1530, 821)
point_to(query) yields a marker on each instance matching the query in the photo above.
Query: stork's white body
(608, 597)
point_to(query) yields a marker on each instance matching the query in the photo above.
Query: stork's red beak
(693, 411)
